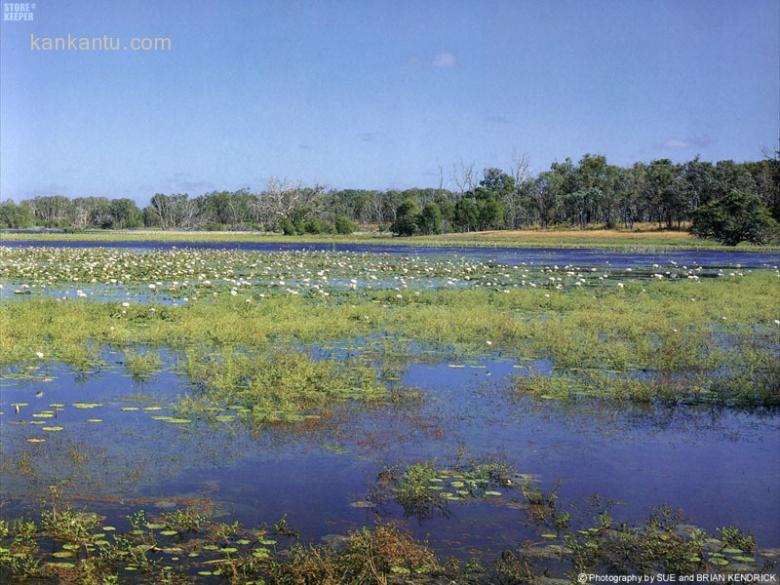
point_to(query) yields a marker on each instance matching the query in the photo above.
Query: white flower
(39, 354)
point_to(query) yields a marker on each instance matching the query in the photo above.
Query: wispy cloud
(369, 136)
(184, 183)
(444, 61)
(686, 143)
(497, 119)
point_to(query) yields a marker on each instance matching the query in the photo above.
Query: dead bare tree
(513, 202)
(464, 176)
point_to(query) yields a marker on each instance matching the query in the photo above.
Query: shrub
(734, 218)
(344, 225)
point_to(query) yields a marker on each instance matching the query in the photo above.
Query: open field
(608, 239)
(354, 417)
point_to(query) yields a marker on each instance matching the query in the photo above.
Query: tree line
(587, 193)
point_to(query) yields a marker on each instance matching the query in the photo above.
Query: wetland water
(103, 436)
(572, 256)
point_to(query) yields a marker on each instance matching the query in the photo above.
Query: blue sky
(377, 94)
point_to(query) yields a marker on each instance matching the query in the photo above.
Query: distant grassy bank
(611, 239)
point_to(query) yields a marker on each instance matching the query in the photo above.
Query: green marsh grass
(142, 365)
(562, 238)
(283, 386)
(724, 329)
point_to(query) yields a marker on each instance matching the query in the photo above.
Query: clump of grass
(282, 386)
(423, 489)
(142, 366)
(757, 383)
(64, 523)
(369, 557)
(655, 546)
(733, 537)
(184, 520)
(414, 488)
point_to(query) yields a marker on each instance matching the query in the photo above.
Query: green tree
(665, 191)
(344, 225)
(50, 210)
(491, 214)
(124, 213)
(734, 218)
(466, 214)
(430, 220)
(13, 216)
(495, 187)
(406, 218)
(288, 227)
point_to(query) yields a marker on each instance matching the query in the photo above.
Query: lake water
(511, 256)
(719, 466)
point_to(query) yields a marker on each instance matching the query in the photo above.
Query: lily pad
(62, 554)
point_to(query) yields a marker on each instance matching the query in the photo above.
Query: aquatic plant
(422, 488)
(68, 546)
(276, 387)
(712, 341)
(372, 557)
(734, 538)
(142, 366)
